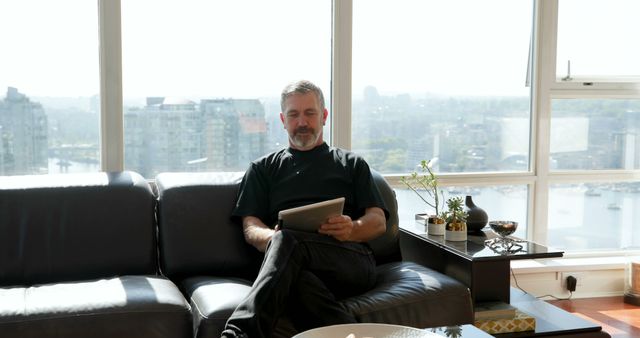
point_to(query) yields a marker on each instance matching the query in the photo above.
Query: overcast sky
(252, 48)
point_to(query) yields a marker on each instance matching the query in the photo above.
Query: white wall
(597, 277)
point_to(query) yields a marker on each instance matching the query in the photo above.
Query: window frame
(545, 87)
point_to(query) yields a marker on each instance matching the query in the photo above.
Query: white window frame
(545, 87)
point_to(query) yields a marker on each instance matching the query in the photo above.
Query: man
(306, 274)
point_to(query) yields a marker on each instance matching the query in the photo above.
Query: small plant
(425, 185)
(455, 213)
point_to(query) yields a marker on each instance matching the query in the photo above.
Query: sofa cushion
(75, 227)
(405, 294)
(212, 301)
(410, 294)
(128, 306)
(197, 236)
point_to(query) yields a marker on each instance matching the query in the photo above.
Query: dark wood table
(551, 321)
(487, 274)
(459, 331)
(485, 271)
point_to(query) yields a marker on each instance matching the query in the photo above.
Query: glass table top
(485, 245)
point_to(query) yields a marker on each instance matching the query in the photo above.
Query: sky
(252, 48)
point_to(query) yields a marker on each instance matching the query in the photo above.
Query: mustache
(304, 130)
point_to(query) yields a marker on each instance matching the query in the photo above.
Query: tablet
(311, 216)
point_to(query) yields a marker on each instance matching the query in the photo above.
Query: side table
(485, 271)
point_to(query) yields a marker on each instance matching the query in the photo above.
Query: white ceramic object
(455, 236)
(366, 330)
(436, 229)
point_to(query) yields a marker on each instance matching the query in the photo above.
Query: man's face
(303, 119)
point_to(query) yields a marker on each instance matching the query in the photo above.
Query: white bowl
(366, 330)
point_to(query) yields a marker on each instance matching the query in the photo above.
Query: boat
(592, 192)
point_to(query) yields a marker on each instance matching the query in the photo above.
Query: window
(594, 216)
(49, 110)
(593, 134)
(595, 36)
(438, 81)
(594, 119)
(477, 84)
(501, 202)
(208, 76)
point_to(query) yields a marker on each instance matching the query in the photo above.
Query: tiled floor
(619, 319)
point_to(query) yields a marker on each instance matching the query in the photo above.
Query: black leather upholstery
(406, 293)
(66, 227)
(79, 259)
(128, 306)
(197, 235)
(386, 247)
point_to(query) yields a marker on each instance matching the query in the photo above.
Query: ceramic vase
(477, 218)
(456, 232)
(435, 228)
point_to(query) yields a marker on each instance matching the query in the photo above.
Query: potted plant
(456, 228)
(425, 185)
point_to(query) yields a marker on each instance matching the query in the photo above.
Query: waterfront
(58, 166)
(580, 219)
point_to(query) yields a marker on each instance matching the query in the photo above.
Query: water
(579, 218)
(56, 166)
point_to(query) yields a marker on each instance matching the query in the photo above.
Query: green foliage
(455, 212)
(425, 185)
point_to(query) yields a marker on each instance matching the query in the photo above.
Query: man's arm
(371, 225)
(256, 232)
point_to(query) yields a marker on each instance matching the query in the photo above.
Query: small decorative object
(435, 225)
(456, 228)
(502, 244)
(477, 218)
(425, 185)
(503, 228)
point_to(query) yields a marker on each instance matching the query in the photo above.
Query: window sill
(568, 264)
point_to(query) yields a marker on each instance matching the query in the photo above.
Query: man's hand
(340, 227)
(371, 225)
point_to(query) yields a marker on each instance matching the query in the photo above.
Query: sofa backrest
(196, 234)
(75, 227)
(387, 247)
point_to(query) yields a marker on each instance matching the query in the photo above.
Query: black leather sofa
(79, 257)
(205, 254)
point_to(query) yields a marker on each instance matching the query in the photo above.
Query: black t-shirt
(290, 178)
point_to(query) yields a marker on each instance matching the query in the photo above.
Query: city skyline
(496, 137)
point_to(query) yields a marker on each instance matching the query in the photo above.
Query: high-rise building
(235, 132)
(180, 135)
(23, 135)
(162, 136)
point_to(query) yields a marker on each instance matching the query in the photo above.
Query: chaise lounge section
(78, 259)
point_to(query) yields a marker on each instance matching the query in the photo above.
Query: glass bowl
(503, 228)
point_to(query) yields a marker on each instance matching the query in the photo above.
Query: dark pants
(303, 275)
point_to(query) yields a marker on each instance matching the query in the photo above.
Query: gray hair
(301, 87)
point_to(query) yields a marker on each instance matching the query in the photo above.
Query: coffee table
(376, 330)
